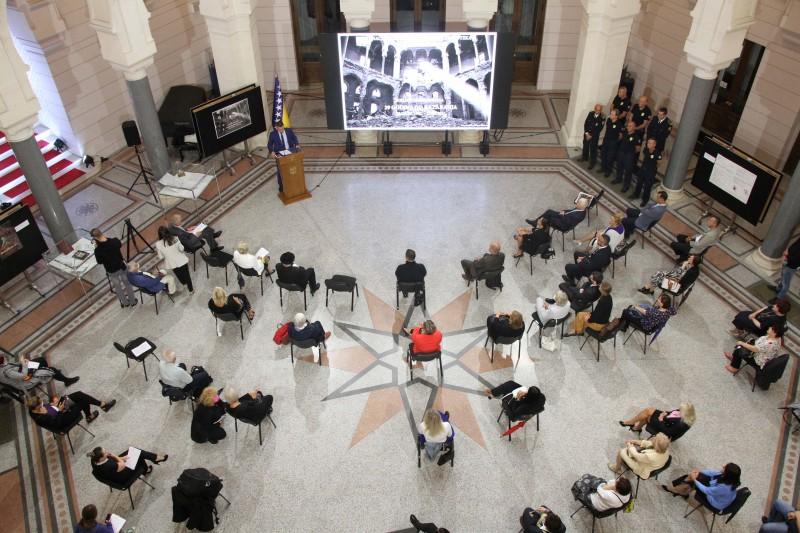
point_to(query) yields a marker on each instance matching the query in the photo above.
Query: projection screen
(417, 81)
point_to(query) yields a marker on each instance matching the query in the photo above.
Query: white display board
(731, 178)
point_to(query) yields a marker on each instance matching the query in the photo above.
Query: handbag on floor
(551, 342)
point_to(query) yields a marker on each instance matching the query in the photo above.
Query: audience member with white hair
(254, 405)
(565, 219)
(300, 329)
(492, 260)
(244, 259)
(175, 374)
(554, 308)
(154, 283)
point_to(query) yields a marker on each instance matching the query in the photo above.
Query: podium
(294, 178)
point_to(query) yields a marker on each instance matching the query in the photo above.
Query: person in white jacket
(244, 259)
(552, 309)
(170, 250)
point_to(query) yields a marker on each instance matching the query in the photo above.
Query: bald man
(490, 261)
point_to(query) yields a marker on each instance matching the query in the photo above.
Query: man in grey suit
(490, 261)
(645, 217)
(685, 246)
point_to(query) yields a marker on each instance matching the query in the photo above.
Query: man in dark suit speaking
(281, 140)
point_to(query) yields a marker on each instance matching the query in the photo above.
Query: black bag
(199, 482)
(193, 498)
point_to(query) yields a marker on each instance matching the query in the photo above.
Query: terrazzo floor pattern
(349, 463)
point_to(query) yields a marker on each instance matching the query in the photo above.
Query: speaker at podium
(292, 171)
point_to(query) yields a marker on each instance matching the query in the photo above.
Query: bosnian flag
(279, 112)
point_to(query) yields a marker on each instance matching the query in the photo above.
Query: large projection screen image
(417, 81)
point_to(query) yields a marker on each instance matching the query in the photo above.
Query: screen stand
(227, 165)
(144, 174)
(245, 154)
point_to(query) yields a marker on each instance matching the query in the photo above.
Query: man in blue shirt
(149, 282)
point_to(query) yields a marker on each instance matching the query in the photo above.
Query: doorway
(417, 15)
(524, 20)
(310, 18)
(731, 91)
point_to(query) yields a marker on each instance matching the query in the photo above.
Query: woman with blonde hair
(614, 231)
(207, 418)
(505, 324)
(554, 308)
(673, 423)
(434, 429)
(221, 303)
(642, 457)
(244, 259)
(425, 338)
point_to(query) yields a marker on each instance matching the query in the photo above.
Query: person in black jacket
(614, 128)
(622, 102)
(626, 156)
(108, 467)
(207, 418)
(672, 423)
(579, 298)
(505, 325)
(596, 261)
(651, 155)
(759, 321)
(598, 317)
(563, 220)
(288, 272)
(254, 405)
(660, 128)
(108, 252)
(64, 411)
(519, 401)
(592, 127)
(541, 520)
(221, 303)
(529, 240)
(411, 272)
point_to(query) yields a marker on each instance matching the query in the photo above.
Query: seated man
(685, 246)
(254, 405)
(244, 259)
(288, 272)
(149, 282)
(489, 261)
(563, 220)
(596, 261)
(301, 329)
(581, 297)
(411, 272)
(175, 375)
(189, 239)
(642, 219)
(541, 520)
(28, 373)
(759, 321)
(783, 518)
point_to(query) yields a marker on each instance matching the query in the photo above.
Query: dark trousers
(141, 466)
(629, 222)
(631, 316)
(57, 375)
(311, 278)
(208, 235)
(742, 321)
(624, 168)
(576, 271)
(506, 388)
(574, 295)
(609, 155)
(644, 185)
(590, 150)
(576, 256)
(555, 219)
(183, 275)
(681, 247)
(84, 401)
(740, 355)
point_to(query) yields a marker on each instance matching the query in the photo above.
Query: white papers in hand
(142, 348)
(262, 252)
(132, 458)
(116, 522)
(285, 152)
(33, 365)
(198, 229)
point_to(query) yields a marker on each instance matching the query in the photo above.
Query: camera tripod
(144, 174)
(130, 234)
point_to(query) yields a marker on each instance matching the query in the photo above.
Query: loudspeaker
(131, 133)
(483, 147)
(349, 145)
(387, 148)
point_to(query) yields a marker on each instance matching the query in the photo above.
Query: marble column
(603, 42)
(769, 255)
(478, 13)
(235, 47)
(358, 14)
(714, 40)
(19, 112)
(123, 30)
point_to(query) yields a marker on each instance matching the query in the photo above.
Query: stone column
(478, 13)
(358, 14)
(19, 111)
(234, 46)
(769, 256)
(123, 30)
(715, 39)
(605, 30)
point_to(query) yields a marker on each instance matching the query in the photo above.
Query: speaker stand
(129, 235)
(145, 175)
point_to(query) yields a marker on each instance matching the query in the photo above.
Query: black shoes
(166, 456)
(643, 203)
(773, 288)
(108, 405)
(71, 381)
(568, 279)
(217, 234)
(531, 221)
(314, 289)
(446, 457)
(646, 291)
(414, 522)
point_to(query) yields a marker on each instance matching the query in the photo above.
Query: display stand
(294, 178)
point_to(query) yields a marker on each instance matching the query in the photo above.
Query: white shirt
(249, 261)
(448, 430)
(173, 375)
(552, 312)
(172, 255)
(605, 499)
(285, 140)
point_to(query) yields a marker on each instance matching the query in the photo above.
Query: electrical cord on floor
(318, 185)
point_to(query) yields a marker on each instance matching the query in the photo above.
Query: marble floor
(343, 455)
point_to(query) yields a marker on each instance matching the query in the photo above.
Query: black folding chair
(621, 253)
(423, 358)
(231, 317)
(542, 251)
(291, 287)
(506, 341)
(648, 230)
(128, 352)
(741, 498)
(589, 333)
(305, 344)
(154, 295)
(217, 260)
(653, 475)
(64, 432)
(594, 204)
(122, 486)
(252, 422)
(772, 371)
(411, 287)
(652, 334)
(597, 515)
(524, 418)
(552, 323)
(253, 273)
(341, 283)
(493, 276)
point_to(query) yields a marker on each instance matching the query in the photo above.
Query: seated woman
(505, 325)
(244, 259)
(253, 406)
(529, 240)
(207, 417)
(425, 338)
(109, 467)
(673, 423)
(758, 322)
(89, 524)
(221, 303)
(642, 456)
(648, 318)
(552, 309)
(684, 273)
(598, 317)
(434, 431)
(601, 495)
(300, 329)
(518, 400)
(29, 373)
(762, 351)
(615, 231)
(541, 520)
(718, 487)
(64, 411)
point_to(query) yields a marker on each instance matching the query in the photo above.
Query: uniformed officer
(651, 155)
(622, 102)
(592, 127)
(660, 128)
(626, 155)
(614, 127)
(641, 115)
